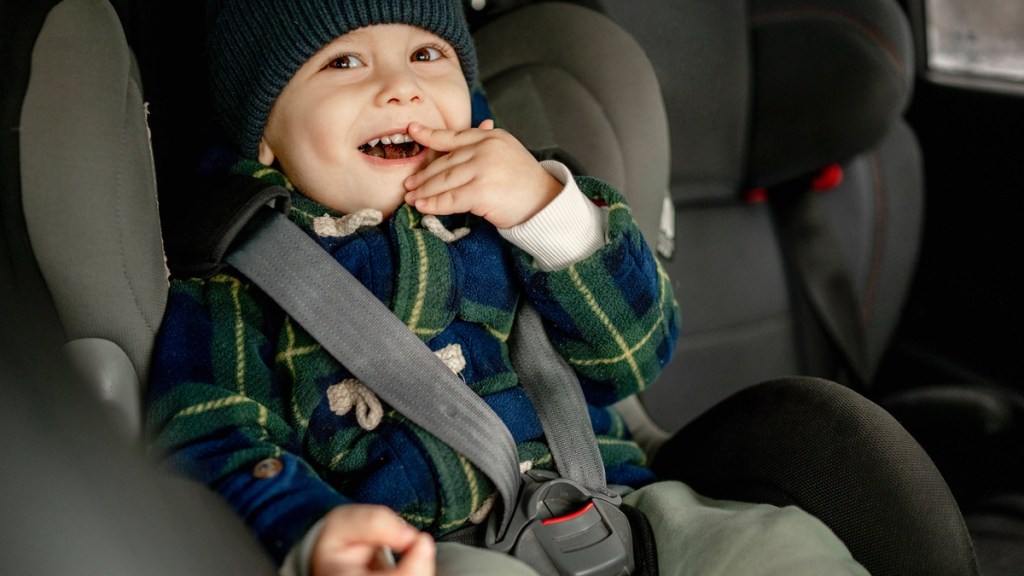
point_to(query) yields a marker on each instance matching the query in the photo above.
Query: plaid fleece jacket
(245, 401)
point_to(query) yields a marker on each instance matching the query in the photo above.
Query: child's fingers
(372, 525)
(462, 148)
(446, 186)
(449, 201)
(442, 139)
(418, 559)
(444, 172)
(353, 535)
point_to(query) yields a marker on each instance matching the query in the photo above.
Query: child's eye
(345, 62)
(428, 54)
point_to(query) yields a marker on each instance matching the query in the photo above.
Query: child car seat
(101, 255)
(81, 273)
(104, 146)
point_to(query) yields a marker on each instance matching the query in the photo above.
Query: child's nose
(399, 86)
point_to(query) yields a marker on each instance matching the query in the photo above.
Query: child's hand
(353, 536)
(485, 171)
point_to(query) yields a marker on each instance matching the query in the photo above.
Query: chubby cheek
(460, 117)
(326, 138)
(315, 154)
(321, 123)
(454, 104)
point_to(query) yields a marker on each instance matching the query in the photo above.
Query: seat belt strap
(814, 254)
(376, 346)
(556, 394)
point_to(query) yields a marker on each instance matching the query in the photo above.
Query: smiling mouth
(394, 147)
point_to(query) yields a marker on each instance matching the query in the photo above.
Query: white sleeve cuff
(567, 230)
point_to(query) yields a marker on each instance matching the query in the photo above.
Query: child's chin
(388, 208)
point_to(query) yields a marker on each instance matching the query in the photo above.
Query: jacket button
(267, 468)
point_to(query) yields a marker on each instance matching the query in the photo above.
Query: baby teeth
(392, 139)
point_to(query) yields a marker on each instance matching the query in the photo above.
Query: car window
(963, 44)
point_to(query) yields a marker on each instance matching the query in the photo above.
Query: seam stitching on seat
(119, 216)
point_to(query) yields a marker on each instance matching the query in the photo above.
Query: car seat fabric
(609, 119)
(26, 285)
(742, 84)
(868, 479)
(829, 79)
(727, 269)
(878, 212)
(83, 130)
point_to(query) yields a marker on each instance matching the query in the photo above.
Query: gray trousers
(695, 536)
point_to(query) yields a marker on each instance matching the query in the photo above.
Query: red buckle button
(567, 517)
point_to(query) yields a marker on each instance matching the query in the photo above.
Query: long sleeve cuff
(281, 508)
(299, 559)
(569, 229)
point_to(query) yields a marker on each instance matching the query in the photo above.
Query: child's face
(365, 86)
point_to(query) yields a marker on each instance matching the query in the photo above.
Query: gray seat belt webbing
(556, 394)
(367, 340)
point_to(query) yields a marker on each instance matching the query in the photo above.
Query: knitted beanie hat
(256, 46)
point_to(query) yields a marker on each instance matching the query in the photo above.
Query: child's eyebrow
(349, 41)
(422, 36)
(341, 44)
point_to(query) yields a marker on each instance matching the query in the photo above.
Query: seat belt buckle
(560, 527)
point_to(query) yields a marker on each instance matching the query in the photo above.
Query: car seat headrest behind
(829, 79)
(608, 119)
(88, 187)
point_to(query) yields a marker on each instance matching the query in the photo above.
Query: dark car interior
(827, 205)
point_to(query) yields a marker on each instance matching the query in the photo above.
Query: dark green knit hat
(256, 46)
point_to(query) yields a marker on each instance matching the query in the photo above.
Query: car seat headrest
(608, 120)
(88, 187)
(829, 79)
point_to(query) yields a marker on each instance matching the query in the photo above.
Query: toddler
(364, 110)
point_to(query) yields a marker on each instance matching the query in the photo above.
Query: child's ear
(266, 154)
